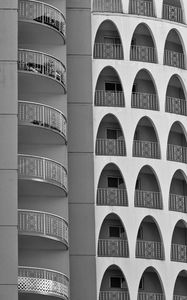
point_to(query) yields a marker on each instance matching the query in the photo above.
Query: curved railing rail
(146, 149)
(148, 199)
(144, 101)
(143, 53)
(43, 281)
(141, 7)
(177, 153)
(109, 98)
(112, 248)
(179, 253)
(38, 223)
(112, 197)
(41, 63)
(178, 203)
(174, 59)
(172, 13)
(42, 115)
(44, 169)
(149, 250)
(43, 13)
(113, 6)
(150, 296)
(108, 51)
(108, 295)
(176, 106)
(110, 147)
(179, 297)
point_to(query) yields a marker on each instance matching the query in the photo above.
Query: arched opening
(173, 50)
(108, 42)
(180, 289)
(109, 90)
(177, 145)
(111, 6)
(144, 94)
(178, 193)
(149, 243)
(147, 190)
(179, 243)
(172, 11)
(113, 285)
(110, 139)
(111, 187)
(145, 143)
(143, 7)
(142, 45)
(175, 97)
(112, 238)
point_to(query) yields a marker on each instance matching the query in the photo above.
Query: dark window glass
(111, 134)
(115, 282)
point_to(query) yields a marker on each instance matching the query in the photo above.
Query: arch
(180, 288)
(145, 8)
(110, 138)
(143, 45)
(146, 142)
(107, 6)
(178, 192)
(147, 190)
(172, 10)
(178, 242)
(109, 88)
(113, 241)
(144, 91)
(111, 188)
(108, 42)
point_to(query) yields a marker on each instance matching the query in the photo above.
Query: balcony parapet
(141, 7)
(43, 281)
(110, 147)
(149, 250)
(179, 253)
(172, 13)
(109, 98)
(177, 153)
(112, 6)
(42, 224)
(150, 296)
(36, 11)
(148, 199)
(36, 114)
(144, 101)
(179, 297)
(178, 203)
(146, 149)
(108, 295)
(113, 248)
(108, 51)
(143, 53)
(176, 106)
(174, 59)
(112, 197)
(42, 169)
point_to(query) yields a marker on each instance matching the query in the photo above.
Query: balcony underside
(40, 242)
(33, 296)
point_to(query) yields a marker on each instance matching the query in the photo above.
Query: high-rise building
(93, 156)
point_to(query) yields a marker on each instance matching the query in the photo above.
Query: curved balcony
(43, 225)
(41, 281)
(174, 59)
(35, 116)
(109, 98)
(108, 295)
(172, 13)
(113, 248)
(148, 199)
(149, 250)
(40, 72)
(143, 53)
(150, 296)
(111, 6)
(179, 253)
(177, 153)
(112, 197)
(176, 106)
(178, 203)
(34, 170)
(146, 149)
(38, 18)
(108, 51)
(144, 101)
(110, 147)
(144, 8)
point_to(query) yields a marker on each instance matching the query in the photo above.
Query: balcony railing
(179, 253)
(172, 13)
(113, 247)
(143, 53)
(37, 223)
(38, 168)
(141, 7)
(43, 281)
(112, 197)
(144, 101)
(146, 149)
(42, 115)
(176, 106)
(174, 59)
(149, 250)
(178, 203)
(43, 13)
(177, 153)
(42, 64)
(150, 296)
(179, 297)
(113, 6)
(116, 295)
(108, 51)
(110, 147)
(148, 199)
(109, 98)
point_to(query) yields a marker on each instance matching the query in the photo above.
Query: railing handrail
(168, 5)
(173, 52)
(124, 240)
(144, 191)
(142, 141)
(110, 91)
(177, 195)
(174, 145)
(110, 44)
(144, 93)
(45, 270)
(150, 242)
(176, 244)
(151, 293)
(142, 46)
(176, 98)
(105, 139)
(109, 188)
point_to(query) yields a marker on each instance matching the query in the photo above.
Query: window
(117, 282)
(116, 231)
(113, 86)
(114, 134)
(115, 182)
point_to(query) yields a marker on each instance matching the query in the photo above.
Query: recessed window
(112, 40)
(113, 86)
(115, 182)
(116, 231)
(117, 282)
(113, 134)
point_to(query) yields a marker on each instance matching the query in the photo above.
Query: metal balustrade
(179, 297)
(146, 149)
(43, 281)
(39, 168)
(179, 253)
(143, 53)
(174, 59)
(113, 248)
(149, 250)
(172, 13)
(43, 13)
(148, 199)
(110, 147)
(144, 101)
(113, 6)
(141, 7)
(112, 197)
(109, 98)
(177, 153)
(38, 223)
(114, 295)
(41, 64)
(150, 296)
(108, 51)
(178, 203)
(42, 116)
(176, 106)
